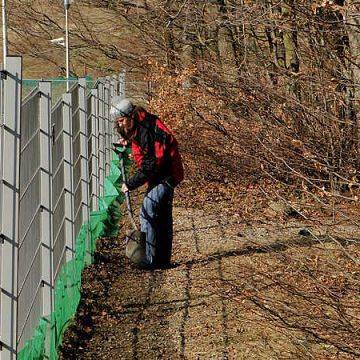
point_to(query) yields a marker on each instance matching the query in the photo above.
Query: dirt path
(162, 313)
(191, 311)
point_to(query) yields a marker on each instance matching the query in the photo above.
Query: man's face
(125, 123)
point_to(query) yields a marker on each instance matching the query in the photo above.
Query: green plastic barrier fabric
(102, 223)
(35, 348)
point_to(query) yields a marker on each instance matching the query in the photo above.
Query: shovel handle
(127, 194)
(129, 209)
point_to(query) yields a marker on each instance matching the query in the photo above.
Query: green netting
(35, 348)
(102, 223)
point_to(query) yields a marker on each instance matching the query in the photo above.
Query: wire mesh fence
(55, 154)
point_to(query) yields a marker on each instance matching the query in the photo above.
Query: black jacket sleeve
(148, 169)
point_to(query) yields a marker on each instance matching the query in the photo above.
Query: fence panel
(30, 266)
(93, 130)
(10, 186)
(58, 182)
(84, 157)
(45, 195)
(75, 119)
(68, 176)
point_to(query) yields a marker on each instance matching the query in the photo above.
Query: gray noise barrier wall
(9, 209)
(53, 162)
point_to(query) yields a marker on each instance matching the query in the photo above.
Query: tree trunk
(278, 38)
(353, 31)
(228, 46)
(170, 48)
(291, 48)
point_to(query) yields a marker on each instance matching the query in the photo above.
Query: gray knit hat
(121, 107)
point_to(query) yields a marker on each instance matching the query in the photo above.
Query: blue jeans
(157, 223)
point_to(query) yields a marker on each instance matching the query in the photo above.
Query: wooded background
(264, 99)
(275, 84)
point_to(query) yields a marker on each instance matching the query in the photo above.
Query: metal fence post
(94, 148)
(107, 124)
(10, 184)
(84, 150)
(45, 195)
(115, 82)
(101, 92)
(122, 83)
(112, 87)
(68, 177)
(84, 158)
(115, 92)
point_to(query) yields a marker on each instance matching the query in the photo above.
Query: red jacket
(156, 154)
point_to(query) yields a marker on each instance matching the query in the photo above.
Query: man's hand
(123, 142)
(124, 188)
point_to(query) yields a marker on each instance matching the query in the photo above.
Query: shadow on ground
(221, 299)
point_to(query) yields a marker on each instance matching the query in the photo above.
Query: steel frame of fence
(10, 190)
(94, 146)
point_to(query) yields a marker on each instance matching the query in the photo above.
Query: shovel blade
(136, 246)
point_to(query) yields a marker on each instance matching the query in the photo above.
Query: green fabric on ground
(102, 223)
(34, 348)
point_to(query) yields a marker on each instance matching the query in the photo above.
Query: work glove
(124, 188)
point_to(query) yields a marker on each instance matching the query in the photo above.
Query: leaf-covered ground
(236, 290)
